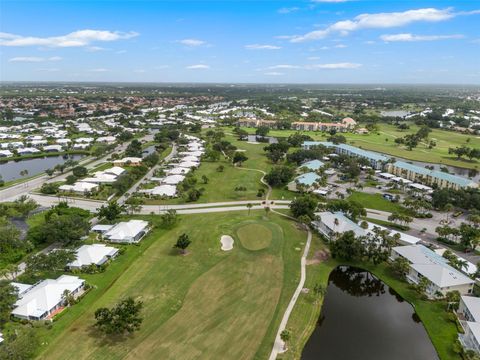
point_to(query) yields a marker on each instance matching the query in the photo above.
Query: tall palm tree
(249, 207)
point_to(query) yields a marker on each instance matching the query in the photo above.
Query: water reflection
(364, 319)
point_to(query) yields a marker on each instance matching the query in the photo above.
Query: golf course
(207, 303)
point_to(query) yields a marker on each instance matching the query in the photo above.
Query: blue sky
(323, 41)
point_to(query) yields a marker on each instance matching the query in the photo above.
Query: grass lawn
(221, 185)
(209, 304)
(384, 141)
(254, 236)
(377, 202)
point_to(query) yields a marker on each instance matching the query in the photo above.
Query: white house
(132, 161)
(469, 316)
(329, 224)
(80, 187)
(6, 153)
(115, 170)
(127, 232)
(46, 298)
(96, 254)
(426, 263)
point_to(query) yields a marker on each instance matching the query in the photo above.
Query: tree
(400, 266)
(80, 171)
(285, 336)
(168, 219)
(220, 168)
(204, 179)
(239, 158)
(49, 172)
(422, 285)
(453, 300)
(347, 247)
(36, 265)
(134, 149)
(249, 207)
(262, 131)
(304, 205)
(111, 211)
(134, 204)
(279, 175)
(20, 345)
(123, 318)
(71, 179)
(182, 243)
(8, 297)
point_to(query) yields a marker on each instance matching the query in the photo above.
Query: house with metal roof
(306, 181)
(468, 314)
(425, 263)
(95, 254)
(329, 224)
(429, 177)
(313, 165)
(46, 298)
(127, 231)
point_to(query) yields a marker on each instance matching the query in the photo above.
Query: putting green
(254, 236)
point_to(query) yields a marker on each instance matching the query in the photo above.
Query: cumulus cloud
(198, 67)
(78, 38)
(192, 42)
(411, 37)
(343, 65)
(288, 10)
(379, 21)
(283, 66)
(34, 59)
(262, 47)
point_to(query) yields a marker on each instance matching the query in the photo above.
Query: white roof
(164, 190)
(386, 175)
(101, 177)
(190, 158)
(129, 159)
(45, 295)
(433, 266)
(173, 179)
(177, 171)
(472, 303)
(101, 227)
(115, 170)
(474, 329)
(471, 268)
(126, 230)
(79, 186)
(21, 287)
(93, 254)
(188, 164)
(344, 223)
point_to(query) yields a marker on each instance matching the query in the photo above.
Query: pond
(364, 319)
(11, 170)
(395, 113)
(266, 139)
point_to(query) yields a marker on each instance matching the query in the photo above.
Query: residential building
(330, 224)
(306, 181)
(313, 165)
(468, 314)
(426, 263)
(429, 177)
(80, 187)
(127, 232)
(95, 254)
(46, 298)
(130, 161)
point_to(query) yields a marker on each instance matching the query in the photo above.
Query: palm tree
(448, 209)
(249, 207)
(285, 336)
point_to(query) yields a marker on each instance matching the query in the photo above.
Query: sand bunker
(227, 242)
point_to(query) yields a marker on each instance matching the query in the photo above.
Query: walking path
(279, 345)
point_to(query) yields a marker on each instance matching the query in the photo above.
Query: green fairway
(209, 304)
(254, 236)
(384, 141)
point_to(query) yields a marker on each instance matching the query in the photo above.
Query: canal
(364, 319)
(10, 170)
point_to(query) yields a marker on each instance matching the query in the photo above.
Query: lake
(11, 169)
(363, 319)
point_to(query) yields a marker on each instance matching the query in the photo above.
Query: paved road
(148, 175)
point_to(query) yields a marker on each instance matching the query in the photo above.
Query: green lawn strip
(376, 202)
(388, 224)
(175, 290)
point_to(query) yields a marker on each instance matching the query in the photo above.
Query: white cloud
(412, 37)
(78, 38)
(288, 10)
(283, 66)
(344, 65)
(262, 47)
(34, 59)
(340, 46)
(95, 48)
(160, 67)
(379, 21)
(98, 70)
(273, 73)
(198, 67)
(192, 42)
